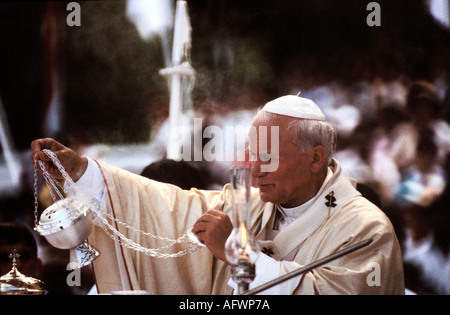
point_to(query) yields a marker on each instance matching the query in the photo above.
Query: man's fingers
(199, 227)
(213, 223)
(211, 216)
(37, 155)
(205, 222)
(47, 143)
(43, 157)
(74, 164)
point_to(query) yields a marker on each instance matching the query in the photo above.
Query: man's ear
(318, 158)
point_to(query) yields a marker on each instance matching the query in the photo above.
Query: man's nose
(256, 169)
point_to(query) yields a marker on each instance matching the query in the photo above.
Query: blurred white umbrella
(153, 18)
(440, 10)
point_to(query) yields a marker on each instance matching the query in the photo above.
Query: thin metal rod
(242, 287)
(307, 268)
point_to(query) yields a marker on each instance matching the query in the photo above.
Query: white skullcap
(294, 106)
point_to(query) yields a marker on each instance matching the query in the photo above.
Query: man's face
(289, 183)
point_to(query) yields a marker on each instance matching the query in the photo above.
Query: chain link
(36, 200)
(101, 216)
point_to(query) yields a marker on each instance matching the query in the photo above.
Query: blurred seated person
(394, 135)
(424, 106)
(178, 173)
(15, 236)
(363, 160)
(425, 180)
(426, 248)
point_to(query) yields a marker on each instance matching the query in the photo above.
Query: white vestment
(320, 230)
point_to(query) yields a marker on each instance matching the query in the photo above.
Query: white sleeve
(93, 179)
(266, 269)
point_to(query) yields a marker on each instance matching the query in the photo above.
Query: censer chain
(100, 214)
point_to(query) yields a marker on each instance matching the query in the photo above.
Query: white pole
(174, 143)
(181, 45)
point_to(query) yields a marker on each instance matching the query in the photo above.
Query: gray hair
(307, 134)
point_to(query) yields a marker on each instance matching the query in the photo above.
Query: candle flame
(243, 234)
(244, 240)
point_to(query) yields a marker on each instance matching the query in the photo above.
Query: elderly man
(303, 208)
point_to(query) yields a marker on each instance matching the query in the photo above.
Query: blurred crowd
(393, 139)
(400, 152)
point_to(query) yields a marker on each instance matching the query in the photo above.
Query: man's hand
(74, 164)
(213, 229)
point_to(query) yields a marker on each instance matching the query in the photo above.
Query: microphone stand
(307, 268)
